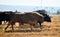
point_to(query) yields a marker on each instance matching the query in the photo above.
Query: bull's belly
(29, 22)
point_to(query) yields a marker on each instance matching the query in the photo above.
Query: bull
(26, 18)
(31, 18)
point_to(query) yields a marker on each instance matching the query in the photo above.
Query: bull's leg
(0, 22)
(7, 26)
(12, 23)
(12, 28)
(40, 26)
(31, 27)
(20, 24)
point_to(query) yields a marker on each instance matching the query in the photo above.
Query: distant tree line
(58, 12)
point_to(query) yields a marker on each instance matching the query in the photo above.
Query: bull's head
(46, 17)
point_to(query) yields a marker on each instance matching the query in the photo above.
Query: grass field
(49, 30)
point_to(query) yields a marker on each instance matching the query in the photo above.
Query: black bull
(27, 18)
(5, 16)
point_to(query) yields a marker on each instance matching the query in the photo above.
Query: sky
(54, 3)
(27, 5)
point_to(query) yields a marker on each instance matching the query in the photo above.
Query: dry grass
(49, 30)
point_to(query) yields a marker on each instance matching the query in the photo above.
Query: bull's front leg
(7, 27)
(31, 25)
(40, 26)
(12, 27)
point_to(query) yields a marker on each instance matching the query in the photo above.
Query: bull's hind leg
(12, 23)
(31, 26)
(12, 28)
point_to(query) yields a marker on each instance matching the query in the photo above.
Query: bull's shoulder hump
(20, 13)
(38, 14)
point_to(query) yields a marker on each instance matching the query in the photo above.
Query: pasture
(51, 29)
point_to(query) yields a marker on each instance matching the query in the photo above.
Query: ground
(51, 29)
